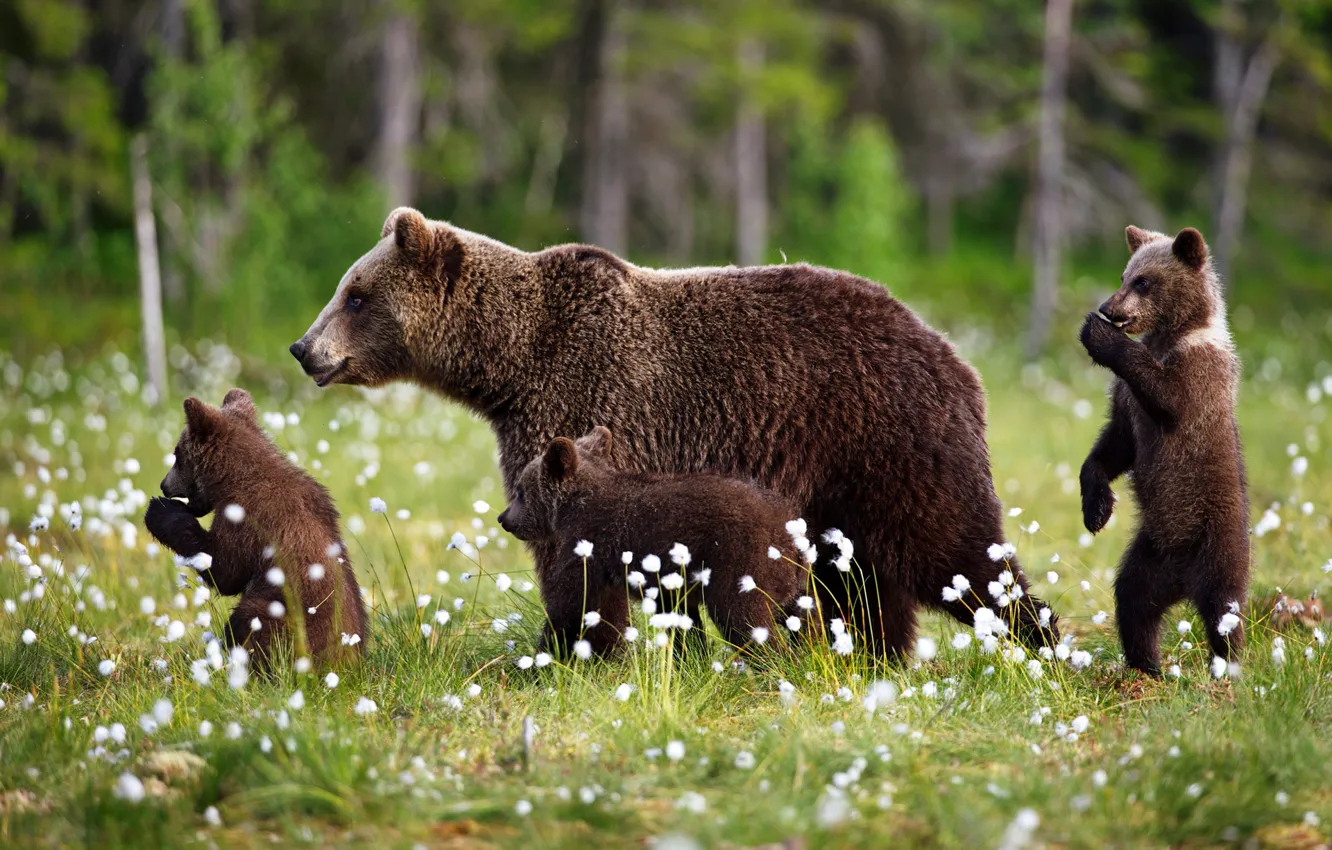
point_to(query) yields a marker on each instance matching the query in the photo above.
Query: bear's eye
(1141, 283)
(354, 303)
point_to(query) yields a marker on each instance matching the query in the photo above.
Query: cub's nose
(503, 519)
(298, 350)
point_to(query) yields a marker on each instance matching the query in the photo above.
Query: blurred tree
(1050, 174)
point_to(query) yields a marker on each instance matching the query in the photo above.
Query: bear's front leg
(175, 527)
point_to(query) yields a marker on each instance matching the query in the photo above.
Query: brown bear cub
(274, 539)
(698, 540)
(1172, 424)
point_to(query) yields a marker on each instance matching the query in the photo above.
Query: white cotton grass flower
(651, 564)
(481, 506)
(583, 650)
(331, 680)
(747, 584)
(675, 750)
(759, 634)
(961, 640)
(591, 618)
(503, 583)
(805, 603)
(365, 706)
(635, 579)
(679, 555)
(744, 760)
(1299, 466)
(583, 549)
(774, 553)
(926, 648)
(1270, 521)
(129, 788)
(624, 691)
(29, 637)
(1100, 617)
(793, 623)
(234, 513)
(297, 700)
(703, 577)
(1229, 622)
(426, 630)
(522, 808)
(672, 581)
(378, 506)
(441, 617)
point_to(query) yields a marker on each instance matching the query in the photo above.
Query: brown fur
(811, 382)
(571, 492)
(224, 458)
(1172, 423)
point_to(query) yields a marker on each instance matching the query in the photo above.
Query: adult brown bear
(812, 382)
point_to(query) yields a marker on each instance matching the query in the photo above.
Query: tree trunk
(150, 281)
(1049, 174)
(751, 179)
(1244, 106)
(605, 202)
(400, 110)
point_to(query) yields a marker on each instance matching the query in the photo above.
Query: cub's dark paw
(1100, 338)
(169, 521)
(1098, 500)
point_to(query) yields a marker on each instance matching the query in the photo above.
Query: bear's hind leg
(1146, 587)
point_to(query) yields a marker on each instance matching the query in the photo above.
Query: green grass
(953, 760)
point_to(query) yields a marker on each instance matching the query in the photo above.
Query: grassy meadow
(117, 730)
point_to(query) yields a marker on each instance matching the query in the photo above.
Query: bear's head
(560, 474)
(206, 449)
(391, 304)
(1168, 286)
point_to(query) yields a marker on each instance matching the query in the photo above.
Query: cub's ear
(1137, 237)
(598, 442)
(411, 232)
(201, 419)
(239, 404)
(561, 459)
(1190, 248)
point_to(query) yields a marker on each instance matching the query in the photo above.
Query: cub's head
(390, 306)
(560, 473)
(205, 449)
(1168, 286)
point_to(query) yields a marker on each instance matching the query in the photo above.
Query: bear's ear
(201, 419)
(561, 459)
(598, 442)
(1137, 237)
(239, 404)
(411, 233)
(1190, 248)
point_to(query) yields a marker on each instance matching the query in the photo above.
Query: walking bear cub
(738, 559)
(274, 539)
(1172, 423)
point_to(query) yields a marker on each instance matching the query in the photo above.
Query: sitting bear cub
(274, 538)
(699, 540)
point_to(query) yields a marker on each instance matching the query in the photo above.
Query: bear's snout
(298, 350)
(504, 520)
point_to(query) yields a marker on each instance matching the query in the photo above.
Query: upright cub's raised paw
(1100, 338)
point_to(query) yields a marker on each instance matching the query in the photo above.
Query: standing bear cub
(699, 540)
(274, 538)
(1172, 423)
